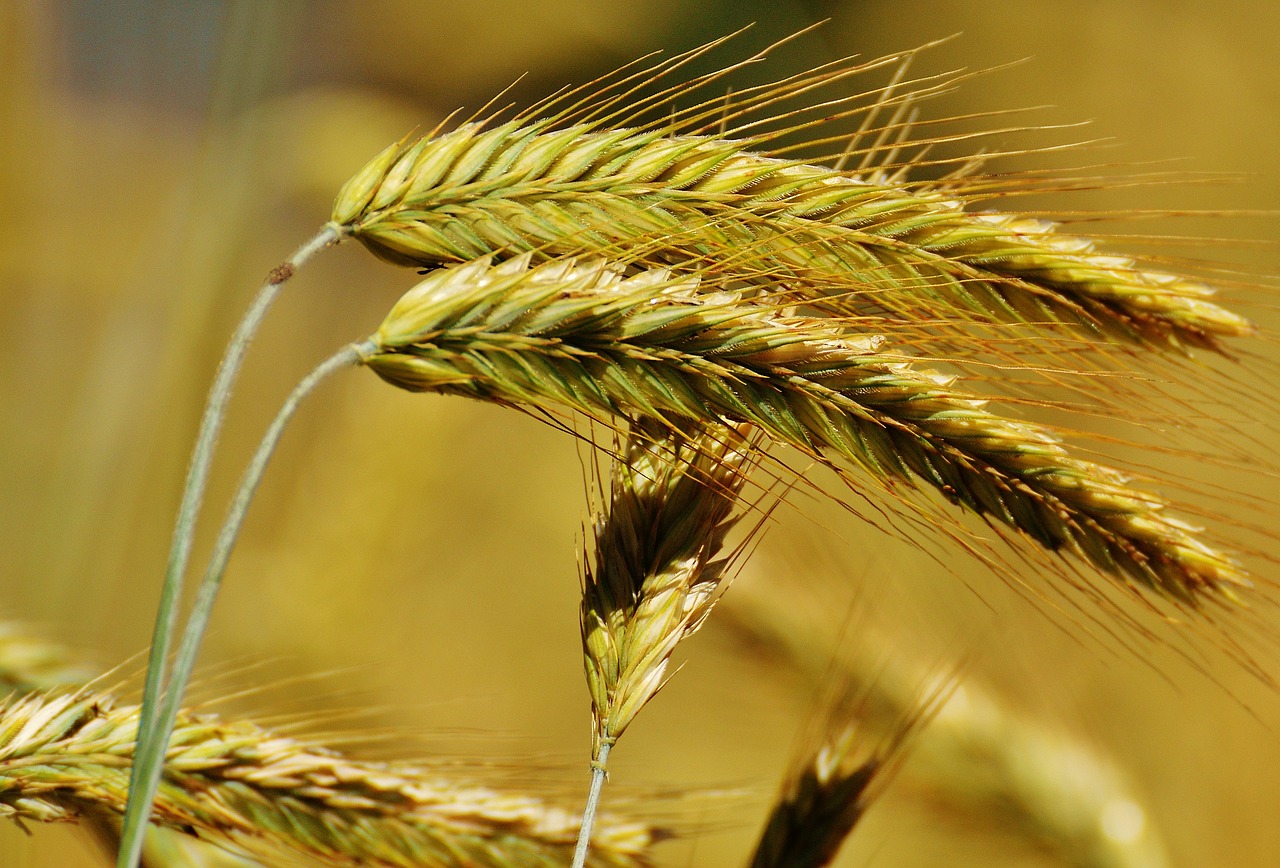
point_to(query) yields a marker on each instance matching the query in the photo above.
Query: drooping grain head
(659, 563)
(677, 192)
(653, 346)
(271, 796)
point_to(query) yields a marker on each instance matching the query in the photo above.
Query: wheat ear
(581, 335)
(657, 570)
(851, 242)
(236, 784)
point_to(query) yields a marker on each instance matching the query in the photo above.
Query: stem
(198, 471)
(153, 741)
(598, 775)
(193, 494)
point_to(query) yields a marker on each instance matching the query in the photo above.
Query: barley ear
(237, 785)
(657, 569)
(665, 346)
(850, 242)
(30, 664)
(658, 565)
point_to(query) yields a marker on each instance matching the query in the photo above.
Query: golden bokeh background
(410, 566)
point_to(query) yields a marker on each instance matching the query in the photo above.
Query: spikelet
(658, 566)
(850, 241)
(654, 346)
(237, 784)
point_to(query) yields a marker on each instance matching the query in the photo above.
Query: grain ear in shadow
(840, 770)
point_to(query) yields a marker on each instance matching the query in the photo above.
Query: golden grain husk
(658, 566)
(849, 242)
(668, 347)
(236, 784)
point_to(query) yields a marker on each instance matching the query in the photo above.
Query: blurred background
(410, 566)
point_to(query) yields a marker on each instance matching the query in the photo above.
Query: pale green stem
(193, 494)
(149, 753)
(198, 472)
(598, 776)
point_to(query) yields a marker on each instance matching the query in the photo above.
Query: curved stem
(197, 475)
(198, 469)
(152, 743)
(598, 776)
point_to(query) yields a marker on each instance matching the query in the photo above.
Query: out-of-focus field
(410, 567)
